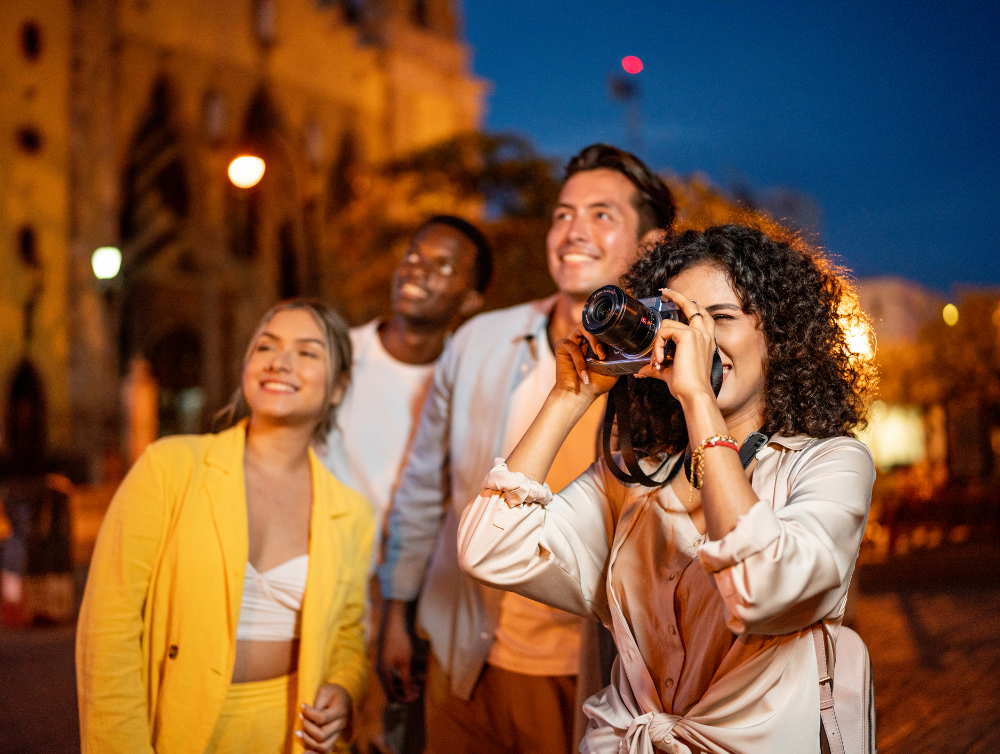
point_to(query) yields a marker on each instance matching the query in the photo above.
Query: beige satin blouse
(715, 653)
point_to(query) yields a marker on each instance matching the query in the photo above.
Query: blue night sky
(883, 113)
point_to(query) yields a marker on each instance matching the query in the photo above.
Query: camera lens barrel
(620, 320)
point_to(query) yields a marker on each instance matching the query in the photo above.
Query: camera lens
(602, 308)
(621, 321)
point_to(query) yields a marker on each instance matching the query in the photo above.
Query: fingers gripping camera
(628, 326)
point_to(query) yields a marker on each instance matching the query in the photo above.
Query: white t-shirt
(532, 638)
(375, 423)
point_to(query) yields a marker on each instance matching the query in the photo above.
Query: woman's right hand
(572, 374)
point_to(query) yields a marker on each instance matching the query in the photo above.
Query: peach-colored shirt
(665, 542)
(532, 638)
(603, 549)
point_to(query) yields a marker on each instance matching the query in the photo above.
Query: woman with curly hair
(711, 581)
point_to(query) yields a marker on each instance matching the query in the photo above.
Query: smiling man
(437, 285)
(503, 670)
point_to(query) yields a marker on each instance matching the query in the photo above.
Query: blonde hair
(338, 351)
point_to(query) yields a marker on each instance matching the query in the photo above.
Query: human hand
(690, 372)
(572, 374)
(325, 719)
(395, 654)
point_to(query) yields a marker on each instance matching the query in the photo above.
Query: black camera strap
(619, 404)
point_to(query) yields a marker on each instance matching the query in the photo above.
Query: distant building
(118, 119)
(898, 308)
(902, 430)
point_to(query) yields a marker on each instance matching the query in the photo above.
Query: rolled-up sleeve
(780, 571)
(554, 553)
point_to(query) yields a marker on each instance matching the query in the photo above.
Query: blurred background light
(894, 435)
(106, 261)
(950, 315)
(631, 64)
(246, 171)
(859, 340)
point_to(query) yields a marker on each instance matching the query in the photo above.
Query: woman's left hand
(326, 718)
(690, 373)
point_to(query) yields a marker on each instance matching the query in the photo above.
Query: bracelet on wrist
(697, 478)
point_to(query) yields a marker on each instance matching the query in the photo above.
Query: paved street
(932, 623)
(936, 653)
(38, 692)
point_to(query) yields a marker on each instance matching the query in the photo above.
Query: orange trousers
(509, 713)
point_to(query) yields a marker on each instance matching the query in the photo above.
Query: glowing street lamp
(950, 314)
(246, 171)
(106, 262)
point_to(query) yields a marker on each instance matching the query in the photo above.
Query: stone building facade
(118, 121)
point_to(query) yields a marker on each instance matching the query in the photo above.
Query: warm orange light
(950, 314)
(859, 339)
(246, 171)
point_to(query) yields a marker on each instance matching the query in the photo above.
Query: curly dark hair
(814, 383)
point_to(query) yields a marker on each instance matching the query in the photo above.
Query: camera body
(627, 326)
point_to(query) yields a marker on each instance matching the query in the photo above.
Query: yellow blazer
(156, 639)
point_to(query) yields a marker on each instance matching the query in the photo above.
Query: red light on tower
(631, 64)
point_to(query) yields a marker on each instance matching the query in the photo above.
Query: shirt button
(671, 576)
(173, 651)
(673, 631)
(669, 683)
(484, 636)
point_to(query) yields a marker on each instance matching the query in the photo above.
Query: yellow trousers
(258, 716)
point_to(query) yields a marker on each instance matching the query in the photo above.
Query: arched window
(31, 41)
(27, 245)
(156, 199)
(288, 280)
(176, 362)
(340, 184)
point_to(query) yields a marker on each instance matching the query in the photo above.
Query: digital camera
(627, 326)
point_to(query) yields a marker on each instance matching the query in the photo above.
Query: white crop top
(272, 601)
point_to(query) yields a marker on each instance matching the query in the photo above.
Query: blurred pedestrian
(438, 284)
(36, 580)
(503, 672)
(223, 609)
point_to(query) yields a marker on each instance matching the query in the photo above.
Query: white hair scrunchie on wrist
(516, 487)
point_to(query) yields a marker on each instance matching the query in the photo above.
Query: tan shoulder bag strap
(828, 715)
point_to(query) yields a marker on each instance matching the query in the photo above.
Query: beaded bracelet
(697, 478)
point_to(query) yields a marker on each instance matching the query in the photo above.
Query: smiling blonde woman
(224, 602)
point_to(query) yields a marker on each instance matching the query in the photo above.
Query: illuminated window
(31, 41)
